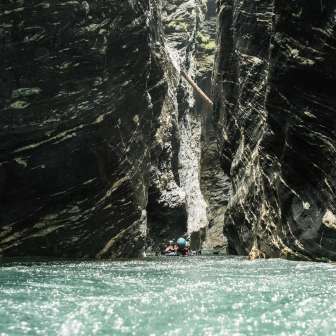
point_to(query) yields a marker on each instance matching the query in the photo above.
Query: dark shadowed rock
(275, 114)
(98, 128)
(214, 182)
(75, 120)
(104, 147)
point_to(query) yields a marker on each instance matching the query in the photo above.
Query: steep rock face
(214, 182)
(166, 208)
(275, 115)
(176, 205)
(75, 126)
(189, 118)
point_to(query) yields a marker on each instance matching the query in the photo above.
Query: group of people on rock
(181, 247)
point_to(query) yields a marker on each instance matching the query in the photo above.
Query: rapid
(167, 296)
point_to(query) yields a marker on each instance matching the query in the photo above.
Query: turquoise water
(168, 296)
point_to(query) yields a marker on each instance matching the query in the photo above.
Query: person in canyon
(182, 247)
(170, 247)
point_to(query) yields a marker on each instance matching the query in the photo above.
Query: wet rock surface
(275, 116)
(75, 122)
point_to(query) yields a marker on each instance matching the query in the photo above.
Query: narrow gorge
(106, 151)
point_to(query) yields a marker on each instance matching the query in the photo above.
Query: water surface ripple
(168, 296)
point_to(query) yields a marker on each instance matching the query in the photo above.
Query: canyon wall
(175, 203)
(274, 111)
(100, 139)
(215, 183)
(75, 126)
(105, 150)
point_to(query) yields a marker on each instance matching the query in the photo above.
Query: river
(168, 296)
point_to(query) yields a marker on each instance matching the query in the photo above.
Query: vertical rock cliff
(104, 147)
(275, 117)
(214, 182)
(100, 136)
(176, 205)
(167, 215)
(76, 118)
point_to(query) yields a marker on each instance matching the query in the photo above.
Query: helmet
(181, 242)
